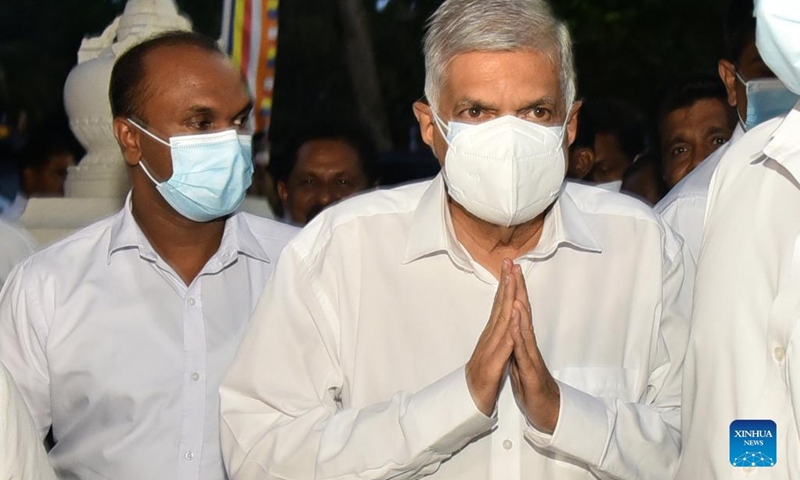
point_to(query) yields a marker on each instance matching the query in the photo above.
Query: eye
(200, 124)
(474, 112)
(343, 182)
(541, 112)
(241, 122)
(719, 140)
(678, 151)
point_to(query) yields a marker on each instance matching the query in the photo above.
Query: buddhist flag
(250, 37)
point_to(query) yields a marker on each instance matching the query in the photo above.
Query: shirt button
(189, 456)
(508, 444)
(195, 376)
(779, 353)
(191, 302)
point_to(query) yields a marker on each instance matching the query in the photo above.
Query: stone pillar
(102, 172)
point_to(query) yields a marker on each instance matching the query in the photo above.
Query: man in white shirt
(741, 396)
(684, 206)
(119, 335)
(22, 455)
(361, 362)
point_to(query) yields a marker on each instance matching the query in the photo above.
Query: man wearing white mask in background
(398, 340)
(119, 335)
(756, 95)
(741, 396)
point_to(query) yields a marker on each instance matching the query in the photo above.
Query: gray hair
(460, 26)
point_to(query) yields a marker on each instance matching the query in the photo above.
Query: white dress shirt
(684, 207)
(15, 244)
(22, 455)
(124, 360)
(356, 369)
(742, 362)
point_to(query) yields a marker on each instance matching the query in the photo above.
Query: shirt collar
(432, 231)
(236, 238)
(784, 147)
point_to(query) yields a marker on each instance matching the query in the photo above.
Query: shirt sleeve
(686, 216)
(284, 402)
(23, 338)
(619, 439)
(22, 452)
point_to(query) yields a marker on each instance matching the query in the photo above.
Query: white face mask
(505, 171)
(778, 39)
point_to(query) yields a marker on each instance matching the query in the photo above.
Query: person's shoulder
(74, 249)
(267, 228)
(748, 148)
(381, 205)
(598, 201)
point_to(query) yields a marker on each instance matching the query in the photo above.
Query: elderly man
(741, 393)
(118, 336)
(397, 338)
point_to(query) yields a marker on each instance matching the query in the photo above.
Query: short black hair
(739, 30)
(611, 116)
(127, 86)
(44, 142)
(685, 92)
(354, 135)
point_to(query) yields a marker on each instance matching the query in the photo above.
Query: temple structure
(97, 186)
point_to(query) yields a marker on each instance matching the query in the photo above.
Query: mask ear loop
(141, 161)
(738, 113)
(441, 126)
(151, 135)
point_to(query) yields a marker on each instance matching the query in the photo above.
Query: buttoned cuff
(582, 430)
(447, 415)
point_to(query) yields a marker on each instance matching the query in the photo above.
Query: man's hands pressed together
(508, 342)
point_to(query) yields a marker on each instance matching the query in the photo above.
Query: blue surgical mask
(210, 173)
(767, 98)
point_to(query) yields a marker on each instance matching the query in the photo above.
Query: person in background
(433, 329)
(757, 99)
(694, 119)
(118, 336)
(327, 164)
(741, 388)
(44, 161)
(644, 179)
(611, 136)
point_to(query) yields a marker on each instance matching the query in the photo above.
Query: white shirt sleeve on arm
(23, 338)
(618, 439)
(284, 400)
(21, 451)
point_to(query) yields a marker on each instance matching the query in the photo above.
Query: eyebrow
(715, 129)
(205, 110)
(468, 102)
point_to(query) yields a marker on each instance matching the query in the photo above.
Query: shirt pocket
(602, 382)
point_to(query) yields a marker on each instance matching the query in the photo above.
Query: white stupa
(97, 186)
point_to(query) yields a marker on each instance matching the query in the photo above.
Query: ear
(427, 125)
(128, 139)
(572, 123)
(581, 162)
(282, 192)
(727, 72)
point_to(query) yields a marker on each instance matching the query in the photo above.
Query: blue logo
(753, 443)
